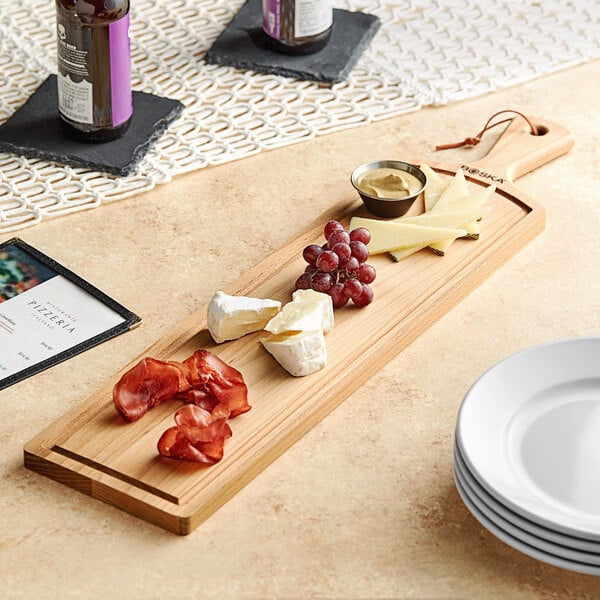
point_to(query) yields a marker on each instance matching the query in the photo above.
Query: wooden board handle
(518, 151)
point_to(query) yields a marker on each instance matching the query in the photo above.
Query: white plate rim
(543, 513)
(519, 545)
(559, 545)
(531, 526)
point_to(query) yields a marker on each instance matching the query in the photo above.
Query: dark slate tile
(34, 131)
(241, 45)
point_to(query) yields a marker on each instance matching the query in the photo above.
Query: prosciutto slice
(214, 381)
(214, 392)
(147, 384)
(199, 435)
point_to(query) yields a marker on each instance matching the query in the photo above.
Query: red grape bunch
(339, 267)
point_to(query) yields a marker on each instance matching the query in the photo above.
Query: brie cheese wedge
(298, 352)
(308, 311)
(231, 317)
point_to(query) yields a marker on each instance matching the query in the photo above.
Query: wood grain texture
(92, 450)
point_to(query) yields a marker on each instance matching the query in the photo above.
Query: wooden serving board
(94, 451)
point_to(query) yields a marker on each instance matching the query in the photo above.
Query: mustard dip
(389, 183)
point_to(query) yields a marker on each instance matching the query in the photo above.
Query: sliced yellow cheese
(440, 248)
(391, 235)
(447, 219)
(472, 230)
(436, 186)
(399, 255)
(471, 233)
(475, 199)
(457, 189)
(465, 219)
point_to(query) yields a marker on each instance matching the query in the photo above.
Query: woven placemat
(426, 52)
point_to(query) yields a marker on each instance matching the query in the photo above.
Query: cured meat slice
(199, 398)
(199, 436)
(218, 381)
(147, 384)
(194, 416)
(213, 390)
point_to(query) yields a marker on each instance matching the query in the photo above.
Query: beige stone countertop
(363, 506)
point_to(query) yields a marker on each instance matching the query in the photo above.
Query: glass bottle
(94, 68)
(297, 26)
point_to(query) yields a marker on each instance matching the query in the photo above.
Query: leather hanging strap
(473, 141)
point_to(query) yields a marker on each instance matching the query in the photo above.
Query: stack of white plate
(527, 453)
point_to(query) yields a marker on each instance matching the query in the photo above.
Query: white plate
(517, 543)
(543, 534)
(529, 432)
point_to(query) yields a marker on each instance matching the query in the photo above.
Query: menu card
(48, 313)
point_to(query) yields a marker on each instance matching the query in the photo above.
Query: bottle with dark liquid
(297, 26)
(94, 68)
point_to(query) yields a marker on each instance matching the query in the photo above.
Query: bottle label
(75, 99)
(120, 70)
(272, 18)
(94, 72)
(311, 17)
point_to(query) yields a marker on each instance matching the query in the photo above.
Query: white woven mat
(427, 52)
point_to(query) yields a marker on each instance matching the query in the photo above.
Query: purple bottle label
(272, 18)
(120, 70)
